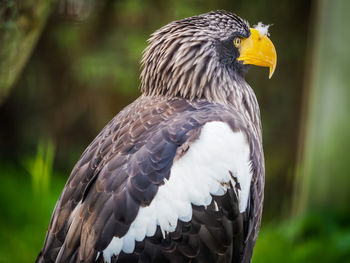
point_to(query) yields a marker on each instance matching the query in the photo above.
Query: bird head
(204, 56)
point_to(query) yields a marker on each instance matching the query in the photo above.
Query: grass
(315, 237)
(24, 215)
(40, 167)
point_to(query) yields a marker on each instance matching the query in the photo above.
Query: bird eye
(237, 42)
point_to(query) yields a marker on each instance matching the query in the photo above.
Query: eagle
(177, 175)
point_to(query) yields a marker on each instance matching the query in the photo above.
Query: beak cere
(258, 50)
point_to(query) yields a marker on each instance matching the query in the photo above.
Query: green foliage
(315, 237)
(40, 167)
(24, 216)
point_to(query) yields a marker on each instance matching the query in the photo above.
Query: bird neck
(243, 100)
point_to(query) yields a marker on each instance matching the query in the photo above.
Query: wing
(118, 184)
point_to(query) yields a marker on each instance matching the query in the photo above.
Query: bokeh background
(68, 66)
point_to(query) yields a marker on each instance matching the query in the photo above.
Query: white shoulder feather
(217, 157)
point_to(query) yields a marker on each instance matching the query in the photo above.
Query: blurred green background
(68, 66)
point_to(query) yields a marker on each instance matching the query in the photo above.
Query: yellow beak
(258, 50)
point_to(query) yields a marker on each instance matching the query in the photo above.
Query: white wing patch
(202, 172)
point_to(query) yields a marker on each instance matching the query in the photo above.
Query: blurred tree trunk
(323, 179)
(21, 23)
